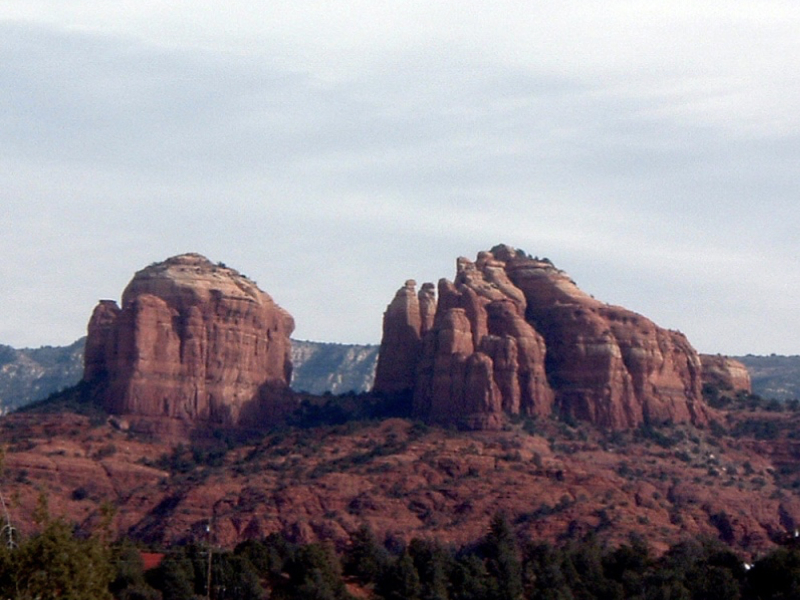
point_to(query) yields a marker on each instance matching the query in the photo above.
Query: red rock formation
(193, 341)
(100, 329)
(478, 358)
(725, 373)
(514, 335)
(610, 366)
(402, 327)
(427, 307)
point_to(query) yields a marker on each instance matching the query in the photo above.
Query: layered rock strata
(514, 335)
(725, 373)
(192, 341)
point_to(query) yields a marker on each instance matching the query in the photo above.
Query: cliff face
(725, 373)
(514, 335)
(402, 330)
(192, 341)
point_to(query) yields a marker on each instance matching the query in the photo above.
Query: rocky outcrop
(192, 341)
(480, 359)
(725, 373)
(514, 335)
(609, 365)
(402, 330)
(99, 339)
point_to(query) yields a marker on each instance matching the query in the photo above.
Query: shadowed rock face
(192, 341)
(514, 335)
(402, 328)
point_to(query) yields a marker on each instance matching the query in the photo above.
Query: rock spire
(513, 335)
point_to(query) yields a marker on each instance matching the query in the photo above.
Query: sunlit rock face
(192, 341)
(513, 335)
(725, 373)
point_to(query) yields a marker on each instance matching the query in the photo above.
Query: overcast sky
(332, 150)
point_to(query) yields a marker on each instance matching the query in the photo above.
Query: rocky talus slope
(513, 335)
(193, 342)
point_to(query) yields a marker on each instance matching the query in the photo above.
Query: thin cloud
(651, 153)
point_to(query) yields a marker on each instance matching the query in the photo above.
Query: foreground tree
(57, 565)
(502, 559)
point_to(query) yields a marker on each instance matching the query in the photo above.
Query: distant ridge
(774, 376)
(336, 368)
(30, 374)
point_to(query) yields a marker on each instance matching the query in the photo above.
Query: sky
(332, 150)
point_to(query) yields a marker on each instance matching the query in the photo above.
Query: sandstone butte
(513, 335)
(193, 342)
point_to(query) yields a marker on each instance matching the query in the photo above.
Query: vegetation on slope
(774, 376)
(349, 502)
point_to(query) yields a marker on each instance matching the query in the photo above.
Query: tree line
(59, 564)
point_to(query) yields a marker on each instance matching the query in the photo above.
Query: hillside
(774, 376)
(30, 374)
(555, 480)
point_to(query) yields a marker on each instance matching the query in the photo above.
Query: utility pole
(8, 529)
(210, 531)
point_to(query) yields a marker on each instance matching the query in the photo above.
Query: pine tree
(365, 558)
(401, 580)
(55, 564)
(500, 549)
